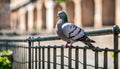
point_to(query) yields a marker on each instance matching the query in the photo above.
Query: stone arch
(35, 19)
(108, 12)
(43, 16)
(87, 12)
(57, 8)
(70, 7)
(26, 21)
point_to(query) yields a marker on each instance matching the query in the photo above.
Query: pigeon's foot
(68, 45)
(65, 46)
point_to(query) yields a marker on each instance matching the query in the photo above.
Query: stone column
(117, 12)
(78, 15)
(30, 8)
(49, 15)
(39, 15)
(98, 14)
(22, 12)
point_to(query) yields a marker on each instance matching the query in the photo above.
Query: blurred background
(38, 16)
(23, 18)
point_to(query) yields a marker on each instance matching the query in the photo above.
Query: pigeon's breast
(60, 32)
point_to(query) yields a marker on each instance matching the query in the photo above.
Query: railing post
(96, 58)
(106, 58)
(29, 52)
(115, 33)
(84, 58)
(77, 58)
(70, 57)
(62, 58)
(48, 59)
(39, 55)
(54, 57)
(36, 63)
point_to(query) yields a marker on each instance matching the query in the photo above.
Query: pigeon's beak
(57, 16)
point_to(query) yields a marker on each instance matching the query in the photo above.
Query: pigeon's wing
(75, 33)
(72, 31)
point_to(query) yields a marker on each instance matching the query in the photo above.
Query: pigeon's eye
(73, 26)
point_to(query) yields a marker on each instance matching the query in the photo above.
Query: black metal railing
(35, 56)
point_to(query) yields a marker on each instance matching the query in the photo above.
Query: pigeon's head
(62, 15)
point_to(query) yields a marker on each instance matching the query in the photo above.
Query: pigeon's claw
(71, 45)
(66, 45)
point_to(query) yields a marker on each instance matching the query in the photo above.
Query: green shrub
(5, 63)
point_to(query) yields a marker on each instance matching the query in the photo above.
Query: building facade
(4, 14)
(39, 15)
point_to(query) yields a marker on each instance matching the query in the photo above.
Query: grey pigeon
(69, 32)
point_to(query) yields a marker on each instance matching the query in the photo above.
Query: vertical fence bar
(29, 65)
(33, 55)
(84, 58)
(39, 55)
(48, 59)
(54, 58)
(96, 59)
(43, 58)
(105, 59)
(36, 57)
(76, 58)
(115, 32)
(23, 59)
(62, 58)
(69, 59)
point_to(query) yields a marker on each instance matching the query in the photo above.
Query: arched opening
(108, 12)
(87, 11)
(35, 19)
(43, 17)
(70, 11)
(26, 21)
(56, 9)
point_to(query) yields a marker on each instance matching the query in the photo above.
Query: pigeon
(71, 33)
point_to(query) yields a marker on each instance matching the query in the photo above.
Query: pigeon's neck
(60, 21)
(64, 20)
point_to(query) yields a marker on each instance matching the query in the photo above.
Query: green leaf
(61, 1)
(112, 54)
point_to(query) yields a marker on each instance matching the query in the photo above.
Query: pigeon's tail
(89, 44)
(89, 40)
(86, 39)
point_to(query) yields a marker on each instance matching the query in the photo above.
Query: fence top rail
(13, 40)
(55, 37)
(89, 33)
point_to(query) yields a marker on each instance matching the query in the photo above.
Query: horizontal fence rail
(34, 56)
(55, 37)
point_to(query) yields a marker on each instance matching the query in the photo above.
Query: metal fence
(33, 55)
